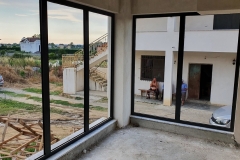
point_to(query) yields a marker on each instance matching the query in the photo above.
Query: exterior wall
(196, 23)
(30, 46)
(206, 41)
(222, 75)
(199, 38)
(69, 80)
(143, 84)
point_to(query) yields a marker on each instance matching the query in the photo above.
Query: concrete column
(170, 24)
(169, 58)
(168, 78)
(122, 70)
(237, 117)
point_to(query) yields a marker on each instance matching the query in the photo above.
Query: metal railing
(71, 60)
(99, 73)
(96, 47)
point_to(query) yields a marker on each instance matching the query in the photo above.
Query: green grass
(78, 98)
(66, 103)
(57, 83)
(2, 155)
(98, 108)
(33, 90)
(13, 94)
(104, 100)
(58, 111)
(55, 93)
(39, 91)
(9, 107)
(38, 99)
(30, 149)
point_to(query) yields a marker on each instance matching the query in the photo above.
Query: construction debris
(27, 141)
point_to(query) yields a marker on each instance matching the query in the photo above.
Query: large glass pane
(209, 68)
(156, 66)
(66, 71)
(20, 79)
(99, 65)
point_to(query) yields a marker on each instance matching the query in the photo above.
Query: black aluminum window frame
(43, 15)
(179, 73)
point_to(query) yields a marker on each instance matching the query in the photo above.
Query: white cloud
(21, 15)
(64, 14)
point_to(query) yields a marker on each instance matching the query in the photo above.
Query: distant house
(69, 46)
(30, 44)
(61, 46)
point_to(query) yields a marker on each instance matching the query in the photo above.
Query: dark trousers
(162, 94)
(156, 91)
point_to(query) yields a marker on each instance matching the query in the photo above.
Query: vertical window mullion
(112, 67)
(45, 76)
(133, 63)
(86, 68)
(180, 67)
(235, 90)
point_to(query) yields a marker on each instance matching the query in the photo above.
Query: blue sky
(20, 18)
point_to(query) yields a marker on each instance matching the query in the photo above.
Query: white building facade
(209, 57)
(30, 44)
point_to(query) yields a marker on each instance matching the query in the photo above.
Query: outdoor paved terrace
(192, 110)
(135, 143)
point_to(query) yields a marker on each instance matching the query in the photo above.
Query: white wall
(196, 23)
(222, 75)
(151, 24)
(69, 80)
(206, 41)
(143, 84)
(30, 46)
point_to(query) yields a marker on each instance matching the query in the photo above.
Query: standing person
(153, 87)
(184, 91)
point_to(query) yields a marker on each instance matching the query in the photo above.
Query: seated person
(153, 87)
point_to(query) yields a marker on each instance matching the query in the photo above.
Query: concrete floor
(134, 143)
(193, 111)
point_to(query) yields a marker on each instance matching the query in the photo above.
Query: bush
(52, 56)
(22, 74)
(13, 48)
(2, 52)
(20, 55)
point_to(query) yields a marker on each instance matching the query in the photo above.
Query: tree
(3, 52)
(36, 36)
(52, 45)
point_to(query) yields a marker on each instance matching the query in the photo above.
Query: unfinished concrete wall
(123, 61)
(108, 5)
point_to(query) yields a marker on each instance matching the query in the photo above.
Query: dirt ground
(62, 124)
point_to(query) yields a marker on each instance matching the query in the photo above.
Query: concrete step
(104, 84)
